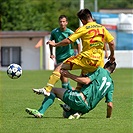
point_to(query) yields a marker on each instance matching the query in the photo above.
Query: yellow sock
(52, 80)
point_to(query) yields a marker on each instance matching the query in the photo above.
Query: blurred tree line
(42, 15)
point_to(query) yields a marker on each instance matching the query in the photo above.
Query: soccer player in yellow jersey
(93, 37)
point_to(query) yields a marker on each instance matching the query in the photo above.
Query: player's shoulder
(69, 30)
(81, 29)
(55, 30)
(101, 26)
(100, 71)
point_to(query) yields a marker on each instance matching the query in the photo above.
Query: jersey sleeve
(77, 34)
(70, 32)
(52, 36)
(93, 75)
(109, 95)
(76, 42)
(108, 36)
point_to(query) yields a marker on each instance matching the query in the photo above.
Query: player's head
(84, 15)
(110, 66)
(63, 16)
(63, 21)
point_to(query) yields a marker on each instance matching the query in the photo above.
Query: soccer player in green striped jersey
(63, 52)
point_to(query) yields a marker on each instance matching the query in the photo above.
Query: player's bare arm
(51, 52)
(79, 48)
(62, 43)
(111, 47)
(79, 79)
(105, 49)
(109, 109)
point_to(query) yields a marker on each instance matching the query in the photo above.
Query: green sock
(67, 85)
(64, 85)
(48, 101)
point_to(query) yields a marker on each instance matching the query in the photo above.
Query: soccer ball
(14, 71)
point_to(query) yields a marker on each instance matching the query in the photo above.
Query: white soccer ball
(14, 71)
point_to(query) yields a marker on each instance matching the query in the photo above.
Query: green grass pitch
(16, 95)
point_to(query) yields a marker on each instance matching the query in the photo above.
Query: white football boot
(75, 116)
(41, 91)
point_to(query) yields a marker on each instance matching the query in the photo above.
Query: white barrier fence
(124, 58)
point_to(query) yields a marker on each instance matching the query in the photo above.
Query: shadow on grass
(32, 117)
(52, 117)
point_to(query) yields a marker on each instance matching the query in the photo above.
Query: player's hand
(111, 58)
(51, 43)
(65, 73)
(52, 57)
(106, 56)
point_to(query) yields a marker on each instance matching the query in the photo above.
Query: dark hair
(84, 14)
(110, 66)
(63, 16)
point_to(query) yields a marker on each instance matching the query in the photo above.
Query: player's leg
(47, 102)
(72, 63)
(76, 104)
(55, 76)
(65, 83)
(68, 64)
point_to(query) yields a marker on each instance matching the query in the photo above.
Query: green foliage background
(43, 14)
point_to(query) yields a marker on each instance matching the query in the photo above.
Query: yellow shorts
(85, 64)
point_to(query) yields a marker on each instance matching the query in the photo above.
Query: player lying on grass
(95, 86)
(93, 37)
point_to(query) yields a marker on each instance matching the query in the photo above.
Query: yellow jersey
(93, 37)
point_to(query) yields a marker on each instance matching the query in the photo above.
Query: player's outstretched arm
(109, 109)
(62, 43)
(79, 79)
